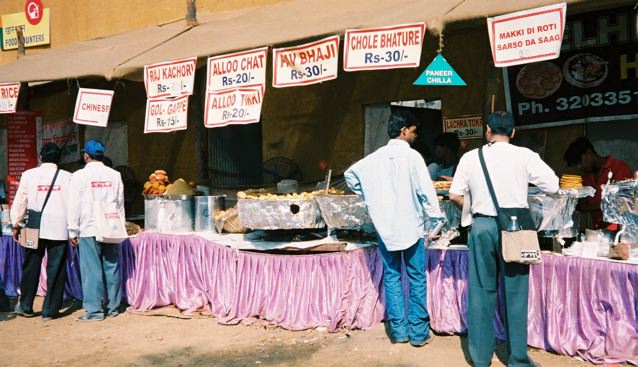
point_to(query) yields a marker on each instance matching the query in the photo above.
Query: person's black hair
(501, 123)
(94, 157)
(449, 140)
(574, 154)
(50, 153)
(107, 162)
(400, 119)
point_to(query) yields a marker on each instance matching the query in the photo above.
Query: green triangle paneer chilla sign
(440, 73)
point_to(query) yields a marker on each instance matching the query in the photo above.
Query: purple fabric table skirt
(578, 307)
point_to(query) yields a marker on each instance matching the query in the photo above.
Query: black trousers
(56, 276)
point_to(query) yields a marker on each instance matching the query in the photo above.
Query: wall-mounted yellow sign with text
(34, 35)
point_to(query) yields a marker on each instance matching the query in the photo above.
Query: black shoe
(19, 311)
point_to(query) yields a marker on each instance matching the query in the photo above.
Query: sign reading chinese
(35, 25)
(594, 79)
(440, 73)
(383, 48)
(166, 115)
(22, 146)
(65, 134)
(233, 107)
(311, 63)
(9, 97)
(240, 69)
(465, 127)
(170, 79)
(92, 107)
(527, 36)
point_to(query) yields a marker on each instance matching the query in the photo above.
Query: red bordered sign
(310, 63)
(9, 97)
(164, 115)
(239, 106)
(170, 79)
(237, 70)
(93, 106)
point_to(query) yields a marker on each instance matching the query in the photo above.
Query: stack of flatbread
(442, 185)
(569, 182)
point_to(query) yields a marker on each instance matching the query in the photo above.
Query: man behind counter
(446, 156)
(582, 155)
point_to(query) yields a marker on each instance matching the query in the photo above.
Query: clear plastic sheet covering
(446, 238)
(619, 204)
(166, 215)
(279, 214)
(554, 212)
(345, 212)
(452, 214)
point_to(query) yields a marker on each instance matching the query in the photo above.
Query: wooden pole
(492, 110)
(20, 41)
(191, 12)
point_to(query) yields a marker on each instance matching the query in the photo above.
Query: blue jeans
(416, 326)
(99, 266)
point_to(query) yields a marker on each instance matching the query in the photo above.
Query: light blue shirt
(398, 192)
(436, 170)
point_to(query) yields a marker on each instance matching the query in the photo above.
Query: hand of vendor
(445, 178)
(16, 233)
(74, 241)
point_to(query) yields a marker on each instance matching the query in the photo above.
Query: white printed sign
(240, 69)
(464, 127)
(9, 97)
(166, 115)
(173, 78)
(233, 107)
(92, 107)
(527, 36)
(311, 63)
(383, 48)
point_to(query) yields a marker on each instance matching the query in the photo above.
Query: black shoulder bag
(519, 240)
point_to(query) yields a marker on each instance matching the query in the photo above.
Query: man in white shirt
(32, 192)
(511, 169)
(400, 197)
(95, 182)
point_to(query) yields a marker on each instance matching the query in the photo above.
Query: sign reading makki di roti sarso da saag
(594, 79)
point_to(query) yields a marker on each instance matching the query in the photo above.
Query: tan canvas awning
(124, 55)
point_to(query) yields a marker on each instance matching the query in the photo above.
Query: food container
(280, 214)
(206, 207)
(5, 223)
(344, 212)
(168, 214)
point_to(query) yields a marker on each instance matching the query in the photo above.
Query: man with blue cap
(99, 262)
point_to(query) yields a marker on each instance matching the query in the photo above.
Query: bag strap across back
(50, 189)
(489, 183)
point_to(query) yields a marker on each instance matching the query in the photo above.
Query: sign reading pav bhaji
(594, 79)
(310, 63)
(383, 48)
(35, 24)
(170, 79)
(527, 36)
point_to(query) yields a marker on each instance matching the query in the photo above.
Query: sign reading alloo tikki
(170, 79)
(240, 69)
(310, 63)
(527, 36)
(233, 107)
(93, 106)
(166, 115)
(9, 97)
(383, 48)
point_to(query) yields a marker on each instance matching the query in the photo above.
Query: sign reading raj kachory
(465, 127)
(594, 79)
(173, 78)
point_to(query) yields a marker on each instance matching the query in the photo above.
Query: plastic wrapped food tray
(280, 214)
(619, 203)
(344, 212)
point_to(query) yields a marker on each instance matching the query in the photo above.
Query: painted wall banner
(22, 146)
(93, 106)
(233, 107)
(9, 97)
(172, 78)
(594, 79)
(310, 63)
(465, 127)
(164, 115)
(65, 134)
(240, 69)
(34, 34)
(440, 73)
(527, 36)
(383, 48)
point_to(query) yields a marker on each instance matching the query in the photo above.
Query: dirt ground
(164, 337)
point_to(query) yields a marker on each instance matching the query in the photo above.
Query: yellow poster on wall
(34, 35)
